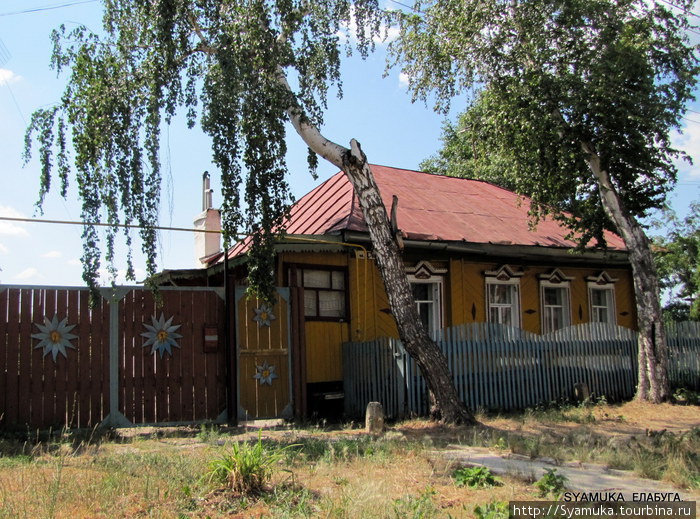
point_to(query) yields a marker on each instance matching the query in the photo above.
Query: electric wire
(48, 7)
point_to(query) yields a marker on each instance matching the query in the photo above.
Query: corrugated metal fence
(498, 367)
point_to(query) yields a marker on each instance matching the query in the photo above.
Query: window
(556, 300)
(602, 304)
(503, 296)
(324, 293)
(428, 296)
(503, 302)
(601, 297)
(555, 307)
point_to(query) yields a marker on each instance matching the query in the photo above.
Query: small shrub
(551, 484)
(501, 444)
(421, 507)
(209, 434)
(493, 510)
(528, 446)
(475, 477)
(686, 397)
(246, 467)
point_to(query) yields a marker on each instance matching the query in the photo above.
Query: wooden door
(262, 345)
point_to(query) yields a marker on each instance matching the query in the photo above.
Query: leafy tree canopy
(228, 65)
(678, 263)
(559, 79)
(465, 152)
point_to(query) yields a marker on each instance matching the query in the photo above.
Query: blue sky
(376, 111)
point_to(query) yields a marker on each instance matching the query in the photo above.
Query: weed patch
(551, 484)
(475, 477)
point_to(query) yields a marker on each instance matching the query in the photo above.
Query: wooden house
(470, 253)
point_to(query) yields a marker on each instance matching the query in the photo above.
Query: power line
(686, 11)
(407, 6)
(48, 7)
(101, 224)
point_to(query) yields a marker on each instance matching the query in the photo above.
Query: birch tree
(243, 69)
(583, 95)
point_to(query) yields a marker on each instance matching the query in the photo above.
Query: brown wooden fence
(111, 372)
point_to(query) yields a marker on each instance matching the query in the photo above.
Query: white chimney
(207, 243)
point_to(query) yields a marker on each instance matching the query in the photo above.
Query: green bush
(475, 477)
(551, 484)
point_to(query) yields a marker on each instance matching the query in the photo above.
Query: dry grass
(334, 473)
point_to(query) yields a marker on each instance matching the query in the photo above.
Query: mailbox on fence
(211, 339)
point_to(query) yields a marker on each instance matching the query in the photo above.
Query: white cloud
(28, 274)
(8, 77)
(4, 251)
(52, 254)
(11, 228)
(74, 262)
(689, 142)
(403, 80)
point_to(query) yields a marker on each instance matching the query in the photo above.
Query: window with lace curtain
(325, 295)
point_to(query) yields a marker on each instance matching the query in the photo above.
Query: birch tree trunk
(652, 384)
(446, 405)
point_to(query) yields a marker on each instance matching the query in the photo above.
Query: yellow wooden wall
(467, 287)
(464, 302)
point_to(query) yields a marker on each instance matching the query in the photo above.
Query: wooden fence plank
(200, 366)
(130, 376)
(11, 411)
(213, 360)
(84, 373)
(147, 361)
(36, 398)
(4, 348)
(25, 356)
(187, 352)
(72, 382)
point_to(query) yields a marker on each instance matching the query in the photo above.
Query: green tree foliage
(616, 74)
(465, 152)
(678, 263)
(220, 63)
(582, 96)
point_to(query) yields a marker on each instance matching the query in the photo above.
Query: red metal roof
(430, 208)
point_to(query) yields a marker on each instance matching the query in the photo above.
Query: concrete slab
(581, 477)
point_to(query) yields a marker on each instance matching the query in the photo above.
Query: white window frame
(437, 291)
(566, 304)
(611, 308)
(515, 305)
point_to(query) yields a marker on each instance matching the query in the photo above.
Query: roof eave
(523, 252)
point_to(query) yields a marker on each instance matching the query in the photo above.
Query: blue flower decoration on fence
(161, 336)
(265, 374)
(54, 337)
(264, 316)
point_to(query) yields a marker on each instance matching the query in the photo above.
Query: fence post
(115, 418)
